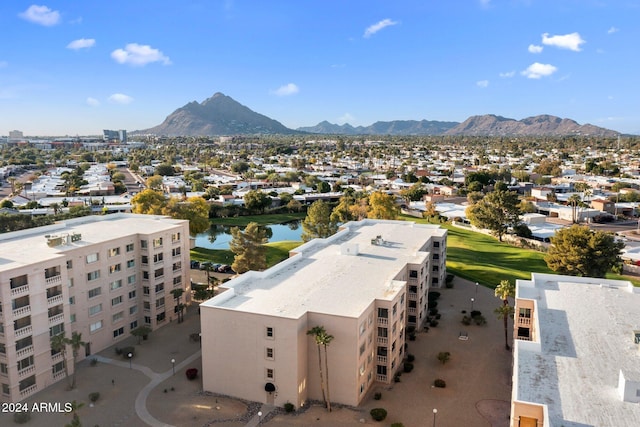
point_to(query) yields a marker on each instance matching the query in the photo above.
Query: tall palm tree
(317, 332)
(177, 293)
(503, 291)
(76, 343)
(59, 344)
(325, 340)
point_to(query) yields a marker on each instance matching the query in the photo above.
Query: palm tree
(575, 201)
(326, 339)
(317, 332)
(75, 421)
(503, 291)
(75, 342)
(59, 344)
(177, 293)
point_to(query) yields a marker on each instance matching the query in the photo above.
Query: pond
(219, 236)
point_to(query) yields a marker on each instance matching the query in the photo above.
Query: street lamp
(130, 355)
(435, 411)
(477, 284)
(472, 301)
(259, 417)
(173, 365)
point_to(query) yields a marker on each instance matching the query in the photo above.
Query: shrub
(411, 329)
(378, 414)
(466, 320)
(433, 312)
(476, 313)
(433, 323)
(408, 367)
(410, 358)
(432, 304)
(377, 395)
(438, 316)
(21, 417)
(450, 278)
(444, 356)
(433, 295)
(118, 351)
(480, 320)
(440, 383)
(449, 285)
(396, 378)
(289, 407)
(94, 396)
(192, 373)
(412, 336)
(94, 362)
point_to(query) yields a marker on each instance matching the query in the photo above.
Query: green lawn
(276, 252)
(242, 221)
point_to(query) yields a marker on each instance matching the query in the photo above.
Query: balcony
(524, 338)
(28, 370)
(22, 311)
(382, 359)
(524, 321)
(413, 295)
(381, 378)
(412, 310)
(24, 351)
(383, 340)
(24, 289)
(29, 390)
(23, 331)
(58, 375)
(57, 357)
(56, 299)
(58, 318)
(383, 321)
(53, 279)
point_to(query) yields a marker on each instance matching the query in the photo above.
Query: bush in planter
(466, 320)
(433, 323)
(480, 320)
(476, 313)
(438, 316)
(449, 285)
(433, 312)
(410, 357)
(408, 367)
(440, 383)
(192, 373)
(377, 395)
(433, 295)
(93, 397)
(378, 414)
(432, 304)
(289, 407)
(444, 356)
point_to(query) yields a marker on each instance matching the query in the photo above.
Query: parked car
(205, 265)
(225, 269)
(195, 264)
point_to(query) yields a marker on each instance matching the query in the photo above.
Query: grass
(276, 252)
(243, 221)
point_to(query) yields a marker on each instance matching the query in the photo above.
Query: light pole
(477, 284)
(259, 417)
(435, 411)
(173, 365)
(130, 355)
(472, 301)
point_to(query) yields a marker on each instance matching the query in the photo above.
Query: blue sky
(77, 67)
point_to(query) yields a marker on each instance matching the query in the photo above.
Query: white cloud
(538, 70)
(482, 83)
(535, 48)
(120, 98)
(81, 44)
(346, 118)
(41, 15)
(613, 30)
(568, 41)
(92, 102)
(371, 30)
(139, 55)
(286, 90)
(507, 74)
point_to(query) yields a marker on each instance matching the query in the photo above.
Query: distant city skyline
(76, 68)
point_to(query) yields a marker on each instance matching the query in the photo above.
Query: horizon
(76, 69)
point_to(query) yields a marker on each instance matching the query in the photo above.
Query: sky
(78, 67)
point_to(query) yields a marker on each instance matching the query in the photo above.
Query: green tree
(140, 332)
(414, 193)
(323, 187)
(195, 209)
(240, 167)
(496, 212)
(322, 338)
(148, 202)
(59, 344)
(76, 344)
(382, 206)
(75, 419)
(575, 201)
(177, 294)
(164, 170)
(154, 183)
(256, 201)
(503, 291)
(248, 247)
(580, 251)
(319, 222)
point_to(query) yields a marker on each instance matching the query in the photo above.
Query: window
(93, 310)
(118, 316)
(177, 266)
(160, 317)
(413, 274)
(3, 349)
(145, 290)
(117, 300)
(434, 281)
(145, 275)
(92, 258)
(72, 300)
(158, 257)
(176, 251)
(269, 353)
(58, 367)
(177, 280)
(114, 252)
(131, 279)
(56, 330)
(160, 302)
(159, 287)
(395, 309)
(131, 263)
(3, 369)
(27, 382)
(70, 282)
(146, 305)
(435, 268)
(270, 374)
(93, 275)
(436, 256)
(158, 273)
(147, 320)
(383, 312)
(132, 294)
(175, 237)
(114, 268)
(133, 325)
(144, 260)
(133, 309)
(157, 242)
(25, 363)
(363, 328)
(72, 318)
(525, 312)
(436, 244)
(95, 292)
(130, 247)
(95, 326)
(144, 244)
(69, 264)
(362, 347)
(5, 389)
(270, 332)
(117, 284)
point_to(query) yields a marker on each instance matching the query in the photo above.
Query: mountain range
(222, 115)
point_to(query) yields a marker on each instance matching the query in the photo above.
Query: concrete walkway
(257, 419)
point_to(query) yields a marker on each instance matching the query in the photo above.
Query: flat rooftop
(323, 279)
(587, 337)
(25, 247)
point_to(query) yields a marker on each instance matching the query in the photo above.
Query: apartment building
(100, 276)
(364, 285)
(576, 352)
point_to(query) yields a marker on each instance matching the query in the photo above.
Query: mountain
(395, 127)
(542, 125)
(218, 115)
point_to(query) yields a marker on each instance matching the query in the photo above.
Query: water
(219, 236)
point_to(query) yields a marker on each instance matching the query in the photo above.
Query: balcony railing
(29, 390)
(58, 375)
(56, 319)
(412, 310)
(383, 340)
(56, 357)
(524, 320)
(27, 370)
(24, 310)
(383, 321)
(23, 331)
(56, 299)
(24, 289)
(413, 295)
(524, 338)
(53, 279)
(381, 378)
(382, 359)
(24, 351)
